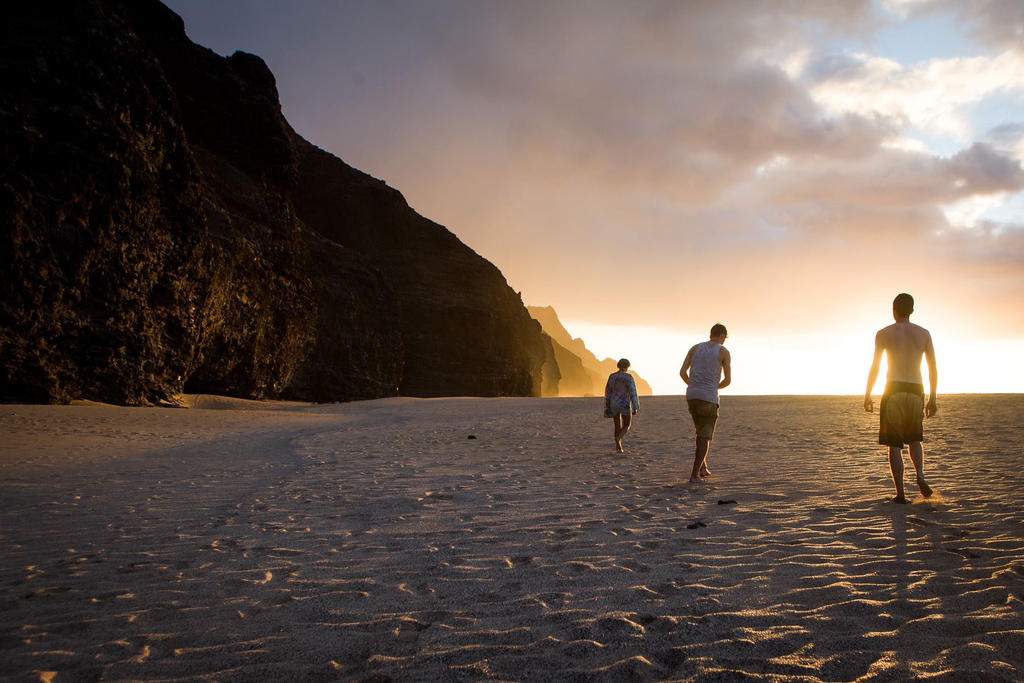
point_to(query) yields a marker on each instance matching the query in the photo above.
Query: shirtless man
(903, 401)
(706, 369)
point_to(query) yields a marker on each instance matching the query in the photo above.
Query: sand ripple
(375, 540)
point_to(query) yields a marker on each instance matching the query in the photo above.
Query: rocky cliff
(581, 373)
(164, 229)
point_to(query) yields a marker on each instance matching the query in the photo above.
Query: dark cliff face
(166, 230)
(103, 237)
(465, 331)
(258, 323)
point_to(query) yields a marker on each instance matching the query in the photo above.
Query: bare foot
(618, 447)
(926, 490)
(705, 472)
(901, 500)
(696, 480)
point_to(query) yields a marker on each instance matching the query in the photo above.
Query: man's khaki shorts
(704, 415)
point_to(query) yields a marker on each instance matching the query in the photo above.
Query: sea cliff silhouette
(165, 230)
(571, 368)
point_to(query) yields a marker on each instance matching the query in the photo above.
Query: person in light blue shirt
(619, 397)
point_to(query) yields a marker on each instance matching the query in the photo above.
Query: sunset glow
(649, 169)
(804, 364)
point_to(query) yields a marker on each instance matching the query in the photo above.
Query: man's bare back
(904, 344)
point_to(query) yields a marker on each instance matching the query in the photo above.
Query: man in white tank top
(706, 369)
(903, 404)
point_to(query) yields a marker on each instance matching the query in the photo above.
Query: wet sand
(237, 540)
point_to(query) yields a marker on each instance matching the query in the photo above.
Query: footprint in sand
(635, 566)
(547, 599)
(647, 545)
(670, 588)
(619, 625)
(573, 569)
(636, 668)
(409, 630)
(418, 589)
(518, 561)
(582, 649)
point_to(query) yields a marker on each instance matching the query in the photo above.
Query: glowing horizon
(771, 365)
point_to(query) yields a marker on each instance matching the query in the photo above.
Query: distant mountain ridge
(581, 373)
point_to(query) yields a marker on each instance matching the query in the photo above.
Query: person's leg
(917, 457)
(700, 453)
(896, 468)
(704, 415)
(627, 422)
(617, 423)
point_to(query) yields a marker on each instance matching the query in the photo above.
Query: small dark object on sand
(470, 437)
(722, 501)
(696, 525)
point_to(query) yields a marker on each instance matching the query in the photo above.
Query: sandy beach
(469, 539)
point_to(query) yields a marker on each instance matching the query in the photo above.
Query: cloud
(896, 179)
(673, 138)
(980, 169)
(667, 98)
(932, 96)
(672, 161)
(1008, 138)
(998, 23)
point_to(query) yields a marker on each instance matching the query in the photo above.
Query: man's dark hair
(623, 363)
(903, 305)
(718, 329)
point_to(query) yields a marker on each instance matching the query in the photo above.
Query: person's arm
(684, 372)
(726, 359)
(933, 377)
(608, 393)
(876, 362)
(633, 396)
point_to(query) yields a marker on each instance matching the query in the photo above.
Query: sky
(651, 168)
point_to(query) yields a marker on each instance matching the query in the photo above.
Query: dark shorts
(704, 415)
(901, 414)
(616, 409)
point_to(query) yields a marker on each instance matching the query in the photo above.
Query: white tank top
(705, 372)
